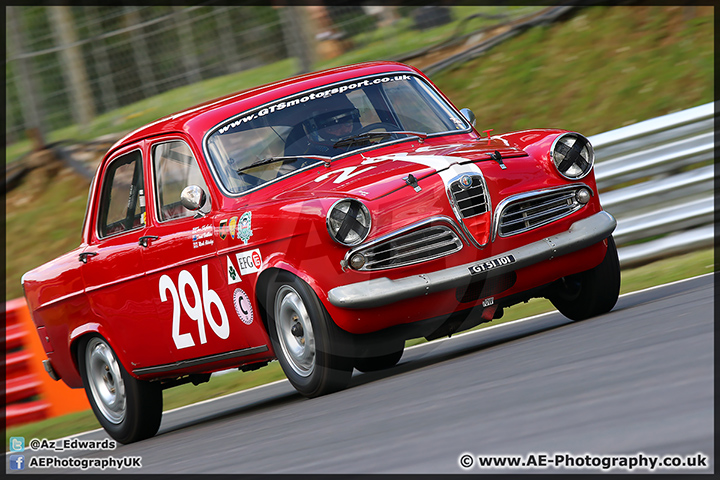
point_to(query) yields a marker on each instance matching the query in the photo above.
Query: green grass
(633, 64)
(663, 271)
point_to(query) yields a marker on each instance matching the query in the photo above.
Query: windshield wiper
(268, 160)
(366, 138)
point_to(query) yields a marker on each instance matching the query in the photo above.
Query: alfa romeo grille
(528, 213)
(421, 245)
(469, 201)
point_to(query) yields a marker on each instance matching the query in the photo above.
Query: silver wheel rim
(106, 384)
(294, 331)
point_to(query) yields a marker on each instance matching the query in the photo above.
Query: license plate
(491, 264)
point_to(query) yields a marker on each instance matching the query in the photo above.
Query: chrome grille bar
(415, 244)
(530, 210)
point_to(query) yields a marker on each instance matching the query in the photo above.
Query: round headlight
(348, 222)
(572, 155)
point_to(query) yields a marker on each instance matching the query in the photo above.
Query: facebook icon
(17, 462)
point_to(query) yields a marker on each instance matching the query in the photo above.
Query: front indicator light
(583, 196)
(357, 261)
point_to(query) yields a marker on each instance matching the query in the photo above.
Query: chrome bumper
(383, 291)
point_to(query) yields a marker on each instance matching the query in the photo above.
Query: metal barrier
(656, 178)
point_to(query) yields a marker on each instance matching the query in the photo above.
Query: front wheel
(592, 292)
(127, 408)
(382, 362)
(301, 332)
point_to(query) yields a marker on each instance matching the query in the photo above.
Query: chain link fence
(68, 64)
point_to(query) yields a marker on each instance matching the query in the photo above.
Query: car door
(186, 279)
(113, 270)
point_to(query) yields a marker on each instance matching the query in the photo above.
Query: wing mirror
(193, 198)
(467, 113)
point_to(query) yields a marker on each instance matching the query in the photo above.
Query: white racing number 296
(195, 311)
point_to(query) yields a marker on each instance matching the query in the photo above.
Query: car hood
(377, 173)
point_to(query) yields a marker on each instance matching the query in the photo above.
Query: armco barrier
(30, 393)
(656, 178)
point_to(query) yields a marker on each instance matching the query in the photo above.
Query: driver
(336, 119)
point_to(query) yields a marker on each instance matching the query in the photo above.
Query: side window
(175, 168)
(122, 205)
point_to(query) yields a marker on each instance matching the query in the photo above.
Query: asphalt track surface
(639, 379)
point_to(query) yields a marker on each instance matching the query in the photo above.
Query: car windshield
(261, 145)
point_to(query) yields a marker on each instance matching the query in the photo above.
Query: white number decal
(195, 312)
(210, 297)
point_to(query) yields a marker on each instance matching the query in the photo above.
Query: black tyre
(302, 334)
(128, 409)
(592, 292)
(373, 364)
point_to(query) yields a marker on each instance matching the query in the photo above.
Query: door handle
(83, 257)
(144, 240)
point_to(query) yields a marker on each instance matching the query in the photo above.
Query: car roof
(199, 119)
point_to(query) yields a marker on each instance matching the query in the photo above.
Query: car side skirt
(184, 364)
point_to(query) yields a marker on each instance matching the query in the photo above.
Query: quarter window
(122, 206)
(175, 168)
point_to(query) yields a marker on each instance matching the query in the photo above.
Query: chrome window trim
(415, 226)
(456, 209)
(529, 195)
(101, 197)
(244, 113)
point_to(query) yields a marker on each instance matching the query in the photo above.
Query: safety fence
(656, 177)
(69, 64)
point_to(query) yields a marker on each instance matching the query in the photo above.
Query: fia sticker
(231, 226)
(249, 262)
(242, 306)
(488, 301)
(244, 227)
(232, 272)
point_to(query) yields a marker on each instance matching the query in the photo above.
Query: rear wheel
(128, 409)
(302, 332)
(592, 292)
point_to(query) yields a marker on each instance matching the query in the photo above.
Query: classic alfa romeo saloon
(321, 221)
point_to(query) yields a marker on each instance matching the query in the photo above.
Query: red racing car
(322, 221)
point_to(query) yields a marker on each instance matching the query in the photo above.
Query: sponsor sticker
(223, 229)
(233, 275)
(232, 225)
(243, 307)
(249, 262)
(244, 227)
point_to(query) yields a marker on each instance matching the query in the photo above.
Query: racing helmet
(335, 119)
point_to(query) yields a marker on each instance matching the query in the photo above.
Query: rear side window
(122, 204)
(175, 168)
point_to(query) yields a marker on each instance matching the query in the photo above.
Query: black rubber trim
(168, 367)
